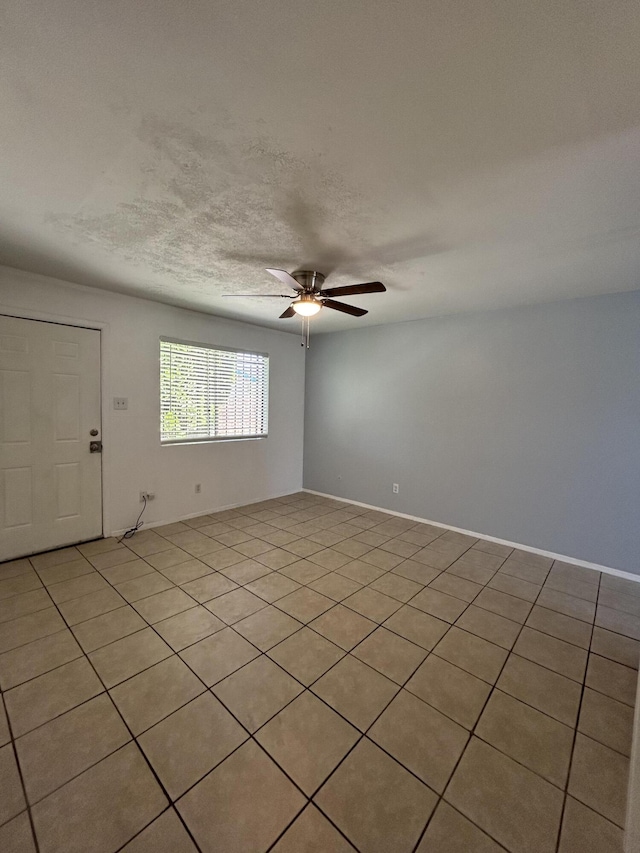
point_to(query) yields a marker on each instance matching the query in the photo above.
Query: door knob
(93, 432)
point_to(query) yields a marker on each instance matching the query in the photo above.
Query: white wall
(231, 473)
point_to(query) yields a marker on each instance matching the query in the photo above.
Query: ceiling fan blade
(285, 278)
(263, 295)
(288, 313)
(346, 309)
(350, 289)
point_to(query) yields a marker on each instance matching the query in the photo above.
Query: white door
(50, 482)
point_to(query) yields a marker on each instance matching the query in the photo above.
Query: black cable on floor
(133, 530)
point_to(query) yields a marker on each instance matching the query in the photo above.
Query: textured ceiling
(471, 154)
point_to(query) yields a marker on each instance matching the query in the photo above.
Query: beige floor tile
(77, 587)
(619, 601)
(530, 737)
(558, 625)
(343, 626)
(16, 835)
(235, 605)
(245, 571)
(614, 680)
(384, 559)
(531, 559)
(335, 586)
(616, 620)
(54, 753)
(12, 801)
(5, 734)
(79, 817)
(185, 572)
(451, 690)
(306, 655)
(510, 803)
(196, 544)
(400, 547)
(361, 573)
(451, 832)
(23, 604)
(352, 548)
(481, 559)
(516, 609)
(579, 589)
(390, 654)
(253, 547)
(304, 572)
(421, 738)
(308, 740)
(457, 587)
(435, 558)
(233, 537)
(624, 585)
(114, 557)
(257, 692)
(164, 604)
(356, 691)
(243, 805)
(417, 572)
(267, 627)
(126, 572)
(615, 647)
(165, 835)
(471, 572)
(490, 626)
(49, 695)
(221, 557)
(396, 587)
(471, 653)
(493, 548)
(305, 604)
(95, 604)
(147, 543)
(377, 804)
(203, 589)
(189, 743)
(525, 572)
(186, 628)
(272, 587)
(108, 627)
(577, 608)
(40, 656)
(598, 778)
(277, 558)
(13, 568)
(418, 627)
(65, 571)
(606, 720)
(548, 691)
(438, 604)
(155, 693)
(56, 558)
(217, 656)
(166, 559)
(584, 830)
(128, 656)
(28, 628)
(371, 604)
(555, 654)
(514, 586)
(143, 586)
(312, 833)
(578, 573)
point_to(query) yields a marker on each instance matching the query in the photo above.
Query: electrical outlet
(120, 403)
(396, 488)
(149, 496)
(198, 488)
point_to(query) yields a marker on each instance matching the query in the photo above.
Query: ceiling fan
(309, 296)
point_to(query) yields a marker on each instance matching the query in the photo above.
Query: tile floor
(307, 675)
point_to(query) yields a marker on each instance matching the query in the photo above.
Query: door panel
(50, 485)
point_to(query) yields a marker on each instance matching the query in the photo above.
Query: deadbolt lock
(95, 447)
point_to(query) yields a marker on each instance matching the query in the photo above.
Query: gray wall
(522, 424)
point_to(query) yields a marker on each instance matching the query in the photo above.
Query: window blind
(209, 393)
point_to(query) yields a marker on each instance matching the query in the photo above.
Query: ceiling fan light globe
(306, 307)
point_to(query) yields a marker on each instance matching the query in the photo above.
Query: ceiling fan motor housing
(309, 280)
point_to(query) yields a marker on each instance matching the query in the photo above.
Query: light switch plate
(120, 403)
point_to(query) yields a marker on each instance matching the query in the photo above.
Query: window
(209, 393)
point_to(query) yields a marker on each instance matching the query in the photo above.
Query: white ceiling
(471, 154)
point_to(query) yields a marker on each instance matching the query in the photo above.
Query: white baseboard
(150, 525)
(562, 557)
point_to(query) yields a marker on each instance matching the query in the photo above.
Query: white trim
(562, 557)
(199, 513)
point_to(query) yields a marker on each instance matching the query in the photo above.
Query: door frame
(105, 426)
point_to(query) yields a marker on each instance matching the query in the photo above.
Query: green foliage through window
(211, 393)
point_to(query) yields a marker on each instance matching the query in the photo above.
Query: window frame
(164, 442)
